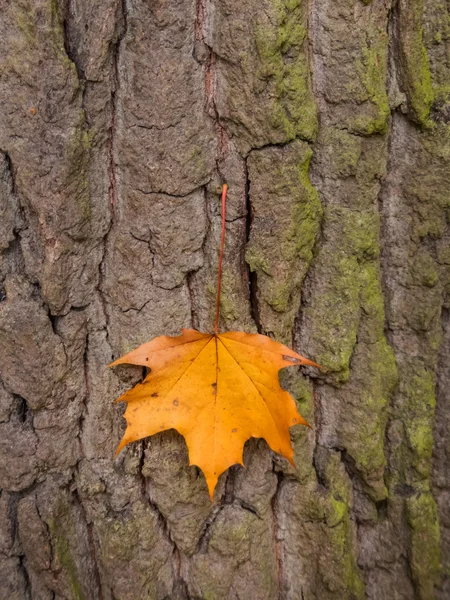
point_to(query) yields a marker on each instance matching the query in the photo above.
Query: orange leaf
(216, 390)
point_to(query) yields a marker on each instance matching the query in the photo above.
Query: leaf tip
(121, 446)
(115, 363)
(211, 489)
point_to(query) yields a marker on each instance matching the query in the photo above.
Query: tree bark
(329, 120)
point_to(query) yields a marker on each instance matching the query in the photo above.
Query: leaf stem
(222, 245)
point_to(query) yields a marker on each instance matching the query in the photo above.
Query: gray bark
(120, 121)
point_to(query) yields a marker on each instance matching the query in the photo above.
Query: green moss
(443, 255)
(284, 61)
(415, 411)
(256, 260)
(420, 438)
(422, 517)
(415, 71)
(375, 376)
(336, 511)
(424, 316)
(423, 99)
(337, 483)
(280, 295)
(228, 310)
(344, 151)
(373, 73)
(308, 505)
(371, 168)
(361, 232)
(298, 237)
(334, 317)
(57, 32)
(307, 215)
(338, 566)
(27, 25)
(301, 390)
(231, 307)
(433, 227)
(442, 95)
(23, 47)
(343, 576)
(197, 158)
(424, 271)
(283, 235)
(419, 403)
(426, 190)
(372, 303)
(38, 27)
(233, 535)
(334, 320)
(62, 551)
(335, 314)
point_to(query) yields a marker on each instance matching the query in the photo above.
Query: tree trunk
(120, 120)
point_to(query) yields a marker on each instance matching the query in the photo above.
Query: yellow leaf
(216, 390)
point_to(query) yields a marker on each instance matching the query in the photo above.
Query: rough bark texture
(120, 120)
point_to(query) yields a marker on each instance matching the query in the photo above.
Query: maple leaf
(216, 390)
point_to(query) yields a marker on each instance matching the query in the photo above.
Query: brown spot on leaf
(234, 430)
(175, 402)
(155, 395)
(294, 420)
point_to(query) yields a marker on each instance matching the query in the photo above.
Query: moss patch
(287, 214)
(337, 564)
(422, 517)
(415, 68)
(284, 61)
(62, 551)
(372, 69)
(335, 314)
